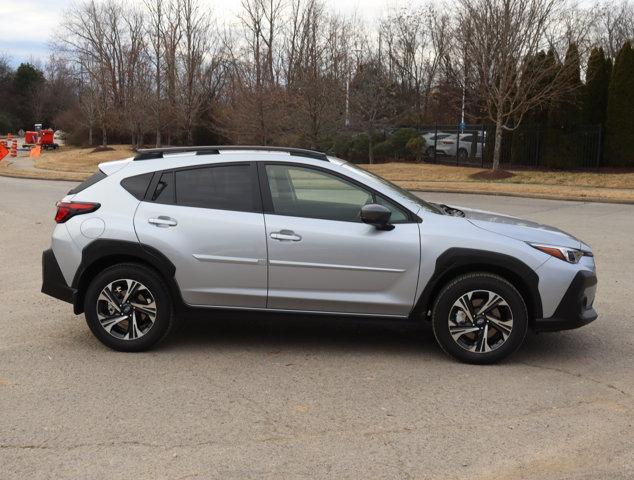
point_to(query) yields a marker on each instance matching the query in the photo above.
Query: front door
(323, 258)
(208, 221)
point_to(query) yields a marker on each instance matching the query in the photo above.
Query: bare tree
(498, 39)
(372, 99)
(195, 27)
(416, 40)
(156, 12)
(613, 25)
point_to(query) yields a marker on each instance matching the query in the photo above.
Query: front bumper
(53, 282)
(575, 309)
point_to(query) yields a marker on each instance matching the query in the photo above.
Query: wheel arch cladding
(458, 261)
(101, 254)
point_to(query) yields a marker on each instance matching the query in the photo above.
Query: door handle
(163, 222)
(286, 235)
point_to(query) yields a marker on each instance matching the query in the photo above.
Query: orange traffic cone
(35, 151)
(3, 149)
(14, 148)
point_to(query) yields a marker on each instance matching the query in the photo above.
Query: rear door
(208, 221)
(322, 257)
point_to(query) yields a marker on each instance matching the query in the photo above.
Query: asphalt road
(255, 397)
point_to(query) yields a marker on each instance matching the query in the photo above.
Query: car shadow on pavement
(270, 331)
(245, 330)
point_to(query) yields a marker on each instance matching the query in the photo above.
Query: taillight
(447, 142)
(67, 210)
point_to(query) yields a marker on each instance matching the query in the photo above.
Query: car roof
(180, 157)
(153, 153)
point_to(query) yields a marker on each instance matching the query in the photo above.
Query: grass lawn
(607, 186)
(82, 160)
(69, 163)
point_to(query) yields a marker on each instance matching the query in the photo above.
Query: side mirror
(376, 215)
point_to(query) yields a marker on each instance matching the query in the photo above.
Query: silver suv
(171, 231)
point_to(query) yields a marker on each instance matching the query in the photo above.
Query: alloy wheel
(126, 309)
(480, 321)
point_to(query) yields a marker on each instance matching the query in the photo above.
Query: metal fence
(539, 147)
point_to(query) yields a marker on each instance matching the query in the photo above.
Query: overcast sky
(27, 25)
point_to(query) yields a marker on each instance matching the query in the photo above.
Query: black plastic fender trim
(106, 252)
(456, 261)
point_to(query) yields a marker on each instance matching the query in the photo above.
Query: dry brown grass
(7, 170)
(416, 172)
(611, 186)
(78, 163)
(83, 160)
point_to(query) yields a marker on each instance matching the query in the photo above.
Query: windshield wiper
(454, 212)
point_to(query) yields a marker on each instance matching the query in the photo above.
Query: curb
(26, 177)
(535, 196)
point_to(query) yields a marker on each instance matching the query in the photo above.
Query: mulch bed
(101, 148)
(491, 175)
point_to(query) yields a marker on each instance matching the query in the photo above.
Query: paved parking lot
(256, 397)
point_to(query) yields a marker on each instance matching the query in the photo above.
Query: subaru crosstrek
(153, 237)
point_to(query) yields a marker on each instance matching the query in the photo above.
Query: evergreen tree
(561, 141)
(619, 146)
(595, 96)
(526, 148)
(27, 81)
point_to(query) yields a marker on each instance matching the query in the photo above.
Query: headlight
(570, 255)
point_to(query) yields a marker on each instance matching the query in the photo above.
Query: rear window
(219, 187)
(137, 185)
(94, 178)
(164, 191)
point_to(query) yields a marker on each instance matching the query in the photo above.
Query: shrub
(383, 151)
(416, 147)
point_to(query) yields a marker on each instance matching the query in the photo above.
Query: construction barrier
(3, 149)
(14, 148)
(35, 151)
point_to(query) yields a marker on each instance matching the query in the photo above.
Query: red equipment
(47, 139)
(30, 138)
(44, 138)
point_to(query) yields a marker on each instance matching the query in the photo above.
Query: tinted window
(94, 178)
(137, 185)
(226, 187)
(164, 191)
(305, 192)
(467, 138)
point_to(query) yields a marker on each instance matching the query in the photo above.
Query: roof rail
(151, 153)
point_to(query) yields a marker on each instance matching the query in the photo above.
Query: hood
(521, 229)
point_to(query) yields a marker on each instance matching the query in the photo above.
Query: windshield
(395, 188)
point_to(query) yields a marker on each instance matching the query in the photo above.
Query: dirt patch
(492, 175)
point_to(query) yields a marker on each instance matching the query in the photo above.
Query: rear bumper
(575, 309)
(53, 282)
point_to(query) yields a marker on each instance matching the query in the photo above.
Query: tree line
(292, 72)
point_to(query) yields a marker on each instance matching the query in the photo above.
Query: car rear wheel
(479, 318)
(463, 155)
(128, 307)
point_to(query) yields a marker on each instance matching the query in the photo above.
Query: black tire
(430, 152)
(479, 282)
(463, 155)
(154, 285)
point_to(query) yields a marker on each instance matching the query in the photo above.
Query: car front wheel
(128, 307)
(479, 318)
